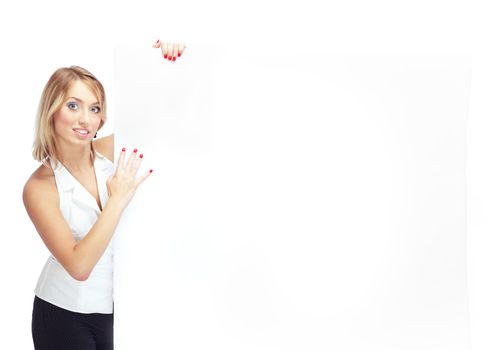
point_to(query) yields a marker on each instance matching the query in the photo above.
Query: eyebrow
(77, 99)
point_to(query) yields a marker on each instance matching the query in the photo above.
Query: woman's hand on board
(170, 51)
(123, 184)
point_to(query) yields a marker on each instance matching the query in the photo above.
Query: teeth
(82, 132)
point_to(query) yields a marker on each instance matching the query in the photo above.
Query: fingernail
(124, 149)
(157, 41)
(141, 155)
(174, 58)
(165, 56)
(135, 150)
(179, 54)
(150, 170)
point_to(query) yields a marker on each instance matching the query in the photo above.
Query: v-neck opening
(84, 188)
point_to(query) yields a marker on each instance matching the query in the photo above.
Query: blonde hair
(52, 98)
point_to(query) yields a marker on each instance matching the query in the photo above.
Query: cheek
(62, 121)
(62, 117)
(59, 120)
(97, 122)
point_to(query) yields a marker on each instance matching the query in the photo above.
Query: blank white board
(294, 204)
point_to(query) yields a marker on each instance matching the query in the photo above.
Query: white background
(38, 37)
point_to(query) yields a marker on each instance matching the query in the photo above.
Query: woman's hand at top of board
(170, 50)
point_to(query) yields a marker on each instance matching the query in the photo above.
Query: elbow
(78, 268)
(79, 274)
(80, 277)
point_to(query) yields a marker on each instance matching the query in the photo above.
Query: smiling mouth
(81, 131)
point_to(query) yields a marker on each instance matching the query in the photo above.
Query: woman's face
(78, 119)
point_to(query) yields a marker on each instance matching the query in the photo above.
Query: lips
(82, 131)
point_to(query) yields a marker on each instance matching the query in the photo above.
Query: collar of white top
(69, 183)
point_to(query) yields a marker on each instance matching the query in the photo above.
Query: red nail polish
(141, 155)
(179, 54)
(135, 150)
(150, 170)
(165, 56)
(174, 58)
(124, 149)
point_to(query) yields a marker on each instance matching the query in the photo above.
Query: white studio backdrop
(38, 37)
(293, 205)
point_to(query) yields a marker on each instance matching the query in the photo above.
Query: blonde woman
(75, 200)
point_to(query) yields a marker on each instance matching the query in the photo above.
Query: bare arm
(79, 258)
(90, 249)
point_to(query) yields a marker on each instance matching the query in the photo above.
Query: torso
(55, 285)
(87, 180)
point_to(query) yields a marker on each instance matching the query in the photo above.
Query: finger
(163, 47)
(121, 160)
(143, 177)
(175, 52)
(131, 160)
(136, 165)
(170, 50)
(156, 44)
(181, 49)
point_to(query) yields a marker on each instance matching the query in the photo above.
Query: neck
(76, 158)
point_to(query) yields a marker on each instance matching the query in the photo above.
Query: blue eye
(70, 105)
(96, 109)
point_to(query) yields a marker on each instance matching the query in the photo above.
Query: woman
(75, 200)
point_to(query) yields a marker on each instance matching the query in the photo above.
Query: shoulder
(41, 184)
(105, 146)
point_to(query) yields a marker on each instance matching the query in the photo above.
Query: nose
(84, 117)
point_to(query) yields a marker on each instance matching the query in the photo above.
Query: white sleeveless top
(80, 209)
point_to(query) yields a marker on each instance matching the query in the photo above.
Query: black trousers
(55, 328)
